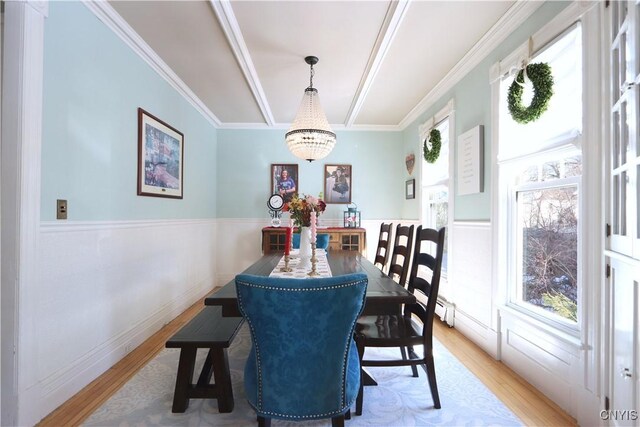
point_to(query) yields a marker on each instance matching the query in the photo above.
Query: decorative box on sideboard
(340, 239)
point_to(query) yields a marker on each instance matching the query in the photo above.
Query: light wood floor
(518, 395)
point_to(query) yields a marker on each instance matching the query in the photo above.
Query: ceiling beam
(231, 29)
(388, 30)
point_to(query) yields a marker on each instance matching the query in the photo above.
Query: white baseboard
(483, 336)
(589, 406)
(60, 385)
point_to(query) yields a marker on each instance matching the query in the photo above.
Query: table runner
(322, 267)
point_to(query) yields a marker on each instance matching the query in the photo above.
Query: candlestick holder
(314, 261)
(286, 268)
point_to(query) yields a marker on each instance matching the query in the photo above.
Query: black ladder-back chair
(401, 330)
(400, 260)
(399, 266)
(384, 241)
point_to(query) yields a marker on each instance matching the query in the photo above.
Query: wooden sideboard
(340, 239)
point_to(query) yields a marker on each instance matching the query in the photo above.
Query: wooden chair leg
(359, 399)
(403, 352)
(337, 421)
(431, 374)
(413, 355)
(264, 422)
(347, 415)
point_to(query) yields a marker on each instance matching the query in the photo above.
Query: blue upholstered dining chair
(303, 363)
(322, 241)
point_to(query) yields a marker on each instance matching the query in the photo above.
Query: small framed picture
(410, 189)
(338, 180)
(160, 157)
(284, 180)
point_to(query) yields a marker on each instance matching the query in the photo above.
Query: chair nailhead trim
(325, 288)
(258, 363)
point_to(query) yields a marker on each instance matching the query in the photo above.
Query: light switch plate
(61, 210)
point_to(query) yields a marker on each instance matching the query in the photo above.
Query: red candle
(287, 240)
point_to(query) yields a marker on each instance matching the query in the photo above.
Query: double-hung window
(540, 173)
(435, 186)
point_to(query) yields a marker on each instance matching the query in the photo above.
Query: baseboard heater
(445, 311)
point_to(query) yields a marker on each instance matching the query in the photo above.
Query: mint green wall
(245, 158)
(93, 86)
(472, 99)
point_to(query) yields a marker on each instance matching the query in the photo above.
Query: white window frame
(446, 113)
(503, 197)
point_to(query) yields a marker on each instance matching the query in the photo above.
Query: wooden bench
(208, 329)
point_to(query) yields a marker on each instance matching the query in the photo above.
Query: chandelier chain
(311, 77)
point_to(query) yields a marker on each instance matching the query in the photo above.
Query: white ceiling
(244, 60)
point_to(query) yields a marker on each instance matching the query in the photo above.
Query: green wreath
(436, 142)
(542, 79)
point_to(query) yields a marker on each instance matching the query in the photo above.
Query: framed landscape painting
(284, 180)
(160, 157)
(337, 183)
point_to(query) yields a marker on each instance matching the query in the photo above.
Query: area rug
(398, 400)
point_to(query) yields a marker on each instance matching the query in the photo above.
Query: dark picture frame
(281, 185)
(160, 158)
(410, 189)
(338, 182)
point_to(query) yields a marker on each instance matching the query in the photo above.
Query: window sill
(572, 340)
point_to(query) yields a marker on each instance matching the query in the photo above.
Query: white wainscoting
(547, 358)
(470, 283)
(239, 245)
(105, 287)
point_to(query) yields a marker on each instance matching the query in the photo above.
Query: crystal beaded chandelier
(310, 137)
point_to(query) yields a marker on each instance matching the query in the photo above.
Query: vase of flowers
(305, 248)
(300, 209)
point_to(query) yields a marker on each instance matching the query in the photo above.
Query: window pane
(435, 190)
(549, 170)
(435, 214)
(441, 220)
(549, 235)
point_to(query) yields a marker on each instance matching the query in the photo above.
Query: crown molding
(108, 15)
(231, 28)
(376, 128)
(510, 21)
(285, 126)
(254, 126)
(392, 20)
(40, 6)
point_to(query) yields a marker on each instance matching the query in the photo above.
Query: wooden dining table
(384, 296)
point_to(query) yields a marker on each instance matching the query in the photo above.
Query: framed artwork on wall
(338, 180)
(160, 157)
(410, 189)
(284, 180)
